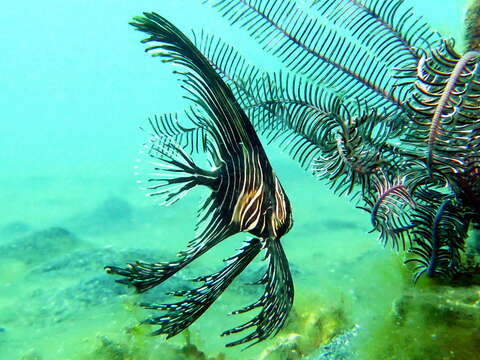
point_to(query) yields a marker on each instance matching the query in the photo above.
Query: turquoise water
(76, 86)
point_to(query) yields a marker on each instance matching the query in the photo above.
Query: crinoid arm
(180, 315)
(296, 114)
(309, 45)
(344, 142)
(439, 236)
(467, 181)
(232, 67)
(383, 24)
(389, 210)
(275, 303)
(443, 104)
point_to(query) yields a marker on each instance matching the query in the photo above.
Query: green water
(75, 88)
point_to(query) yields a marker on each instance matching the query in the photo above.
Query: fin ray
(182, 314)
(275, 302)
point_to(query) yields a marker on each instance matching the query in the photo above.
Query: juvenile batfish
(246, 196)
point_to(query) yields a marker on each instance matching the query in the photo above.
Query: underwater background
(76, 88)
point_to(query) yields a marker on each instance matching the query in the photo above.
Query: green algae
(427, 322)
(369, 286)
(135, 345)
(308, 328)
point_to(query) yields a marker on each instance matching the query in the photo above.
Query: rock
(443, 318)
(94, 260)
(15, 229)
(41, 246)
(112, 214)
(81, 284)
(111, 350)
(289, 348)
(31, 355)
(339, 348)
(472, 26)
(338, 224)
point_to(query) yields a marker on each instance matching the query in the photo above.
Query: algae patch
(428, 323)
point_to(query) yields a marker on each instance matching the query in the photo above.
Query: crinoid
(375, 103)
(246, 195)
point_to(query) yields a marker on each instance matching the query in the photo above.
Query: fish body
(246, 196)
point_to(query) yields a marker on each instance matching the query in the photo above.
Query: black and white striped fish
(246, 196)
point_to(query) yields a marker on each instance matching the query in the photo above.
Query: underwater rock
(115, 207)
(443, 318)
(41, 245)
(14, 229)
(290, 348)
(338, 224)
(313, 332)
(111, 350)
(339, 348)
(93, 260)
(112, 214)
(134, 347)
(82, 284)
(287, 348)
(92, 291)
(31, 355)
(472, 22)
(452, 307)
(47, 306)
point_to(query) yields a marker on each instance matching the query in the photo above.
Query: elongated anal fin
(180, 315)
(275, 303)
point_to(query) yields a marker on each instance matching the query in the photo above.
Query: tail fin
(182, 314)
(276, 301)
